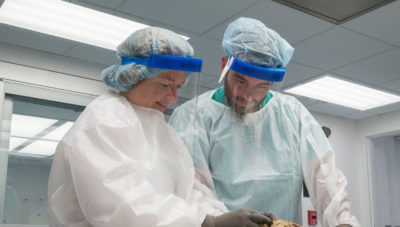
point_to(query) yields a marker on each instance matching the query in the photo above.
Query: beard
(232, 101)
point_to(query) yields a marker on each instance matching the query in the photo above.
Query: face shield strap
(268, 74)
(166, 62)
(226, 68)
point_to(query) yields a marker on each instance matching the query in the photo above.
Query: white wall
(80, 80)
(349, 140)
(52, 62)
(366, 128)
(48, 76)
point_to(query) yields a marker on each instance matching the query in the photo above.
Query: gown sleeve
(325, 182)
(191, 127)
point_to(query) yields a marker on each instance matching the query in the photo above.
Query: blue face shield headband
(268, 74)
(166, 62)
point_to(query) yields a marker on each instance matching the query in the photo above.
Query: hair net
(142, 43)
(251, 41)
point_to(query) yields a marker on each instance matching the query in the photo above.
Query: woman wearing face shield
(121, 164)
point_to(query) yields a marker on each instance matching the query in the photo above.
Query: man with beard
(253, 145)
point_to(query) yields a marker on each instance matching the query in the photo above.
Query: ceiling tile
(376, 70)
(150, 22)
(191, 15)
(93, 54)
(334, 10)
(296, 73)
(359, 115)
(34, 40)
(291, 24)
(393, 85)
(210, 50)
(331, 109)
(304, 100)
(110, 4)
(385, 109)
(335, 48)
(382, 23)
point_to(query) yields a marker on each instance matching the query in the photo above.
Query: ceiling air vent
(335, 11)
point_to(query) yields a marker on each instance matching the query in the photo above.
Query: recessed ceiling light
(333, 90)
(58, 133)
(69, 21)
(27, 126)
(15, 142)
(40, 147)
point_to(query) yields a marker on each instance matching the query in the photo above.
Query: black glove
(239, 218)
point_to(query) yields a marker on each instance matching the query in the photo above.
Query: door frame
(370, 166)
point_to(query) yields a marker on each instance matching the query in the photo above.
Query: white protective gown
(121, 165)
(259, 161)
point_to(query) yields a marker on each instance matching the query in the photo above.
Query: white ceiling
(365, 50)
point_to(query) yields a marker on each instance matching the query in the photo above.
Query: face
(243, 93)
(157, 92)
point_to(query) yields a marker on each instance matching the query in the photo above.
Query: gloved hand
(239, 218)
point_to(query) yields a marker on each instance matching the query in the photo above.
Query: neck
(128, 96)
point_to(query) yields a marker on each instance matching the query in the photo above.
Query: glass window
(31, 130)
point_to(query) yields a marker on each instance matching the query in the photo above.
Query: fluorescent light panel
(15, 142)
(69, 21)
(25, 127)
(58, 133)
(28, 126)
(40, 147)
(333, 90)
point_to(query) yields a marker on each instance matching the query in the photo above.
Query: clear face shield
(169, 87)
(248, 88)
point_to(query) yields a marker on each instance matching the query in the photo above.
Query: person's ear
(223, 62)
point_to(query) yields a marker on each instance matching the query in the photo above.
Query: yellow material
(281, 223)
